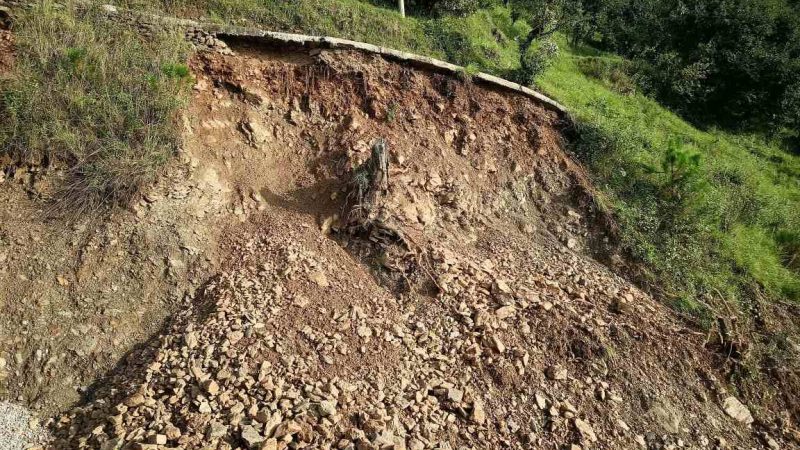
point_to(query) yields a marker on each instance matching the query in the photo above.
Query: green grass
(349, 19)
(738, 224)
(91, 97)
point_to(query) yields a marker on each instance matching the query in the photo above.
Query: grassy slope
(746, 207)
(96, 99)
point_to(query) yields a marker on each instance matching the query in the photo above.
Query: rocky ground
(260, 297)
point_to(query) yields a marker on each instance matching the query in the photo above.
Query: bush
(94, 98)
(536, 59)
(615, 73)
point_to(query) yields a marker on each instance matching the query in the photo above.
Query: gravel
(16, 432)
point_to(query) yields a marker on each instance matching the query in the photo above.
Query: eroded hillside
(350, 253)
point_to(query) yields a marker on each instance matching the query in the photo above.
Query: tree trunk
(402, 5)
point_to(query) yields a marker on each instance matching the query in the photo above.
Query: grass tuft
(94, 98)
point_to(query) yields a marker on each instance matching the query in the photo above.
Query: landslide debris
(472, 316)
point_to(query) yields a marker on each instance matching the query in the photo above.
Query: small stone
(556, 373)
(586, 430)
(478, 413)
(505, 312)
(287, 428)
(270, 444)
(541, 401)
(737, 410)
(455, 395)
(251, 436)
(327, 408)
(191, 339)
(158, 439)
(364, 331)
(211, 387)
(319, 278)
(216, 430)
(501, 287)
(498, 345)
(172, 432)
(134, 400)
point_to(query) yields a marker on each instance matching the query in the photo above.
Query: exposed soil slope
(457, 309)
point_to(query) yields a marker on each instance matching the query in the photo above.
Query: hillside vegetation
(93, 96)
(709, 211)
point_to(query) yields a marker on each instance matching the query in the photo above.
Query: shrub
(536, 59)
(94, 98)
(613, 72)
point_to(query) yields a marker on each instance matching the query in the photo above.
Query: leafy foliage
(732, 62)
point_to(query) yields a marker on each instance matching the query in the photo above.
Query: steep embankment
(454, 306)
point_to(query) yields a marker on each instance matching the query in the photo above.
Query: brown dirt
(244, 246)
(6, 51)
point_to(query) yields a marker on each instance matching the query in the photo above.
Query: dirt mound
(453, 307)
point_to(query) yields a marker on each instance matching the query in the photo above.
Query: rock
(541, 401)
(327, 408)
(771, 443)
(497, 344)
(450, 136)
(455, 395)
(505, 312)
(253, 95)
(556, 373)
(478, 414)
(191, 339)
(319, 278)
(204, 407)
(737, 410)
(216, 430)
(254, 131)
(501, 287)
(158, 439)
(270, 444)
(211, 387)
(287, 428)
(586, 430)
(251, 436)
(668, 417)
(172, 432)
(134, 400)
